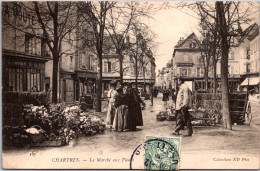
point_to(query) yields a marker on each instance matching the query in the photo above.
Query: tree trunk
(144, 80)
(206, 79)
(136, 74)
(121, 69)
(224, 65)
(215, 83)
(99, 83)
(55, 72)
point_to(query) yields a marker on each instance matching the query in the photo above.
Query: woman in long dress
(135, 111)
(121, 119)
(111, 104)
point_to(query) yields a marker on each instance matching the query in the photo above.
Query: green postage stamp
(162, 153)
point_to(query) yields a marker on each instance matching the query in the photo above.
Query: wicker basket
(35, 138)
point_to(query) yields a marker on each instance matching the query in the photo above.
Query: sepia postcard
(167, 85)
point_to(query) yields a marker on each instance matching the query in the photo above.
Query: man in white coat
(183, 102)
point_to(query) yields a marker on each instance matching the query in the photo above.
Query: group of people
(124, 107)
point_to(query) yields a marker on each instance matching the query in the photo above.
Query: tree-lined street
(243, 141)
(77, 74)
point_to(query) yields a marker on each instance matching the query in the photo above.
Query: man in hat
(182, 107)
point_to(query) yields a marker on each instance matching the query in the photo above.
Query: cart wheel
(248, 115)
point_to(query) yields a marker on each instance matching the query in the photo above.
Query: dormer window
(192, 45)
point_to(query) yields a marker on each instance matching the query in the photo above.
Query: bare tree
(119, 20)
(227, 20)
(140, 48)
(95, 14)
(208, 48)
(55, 20)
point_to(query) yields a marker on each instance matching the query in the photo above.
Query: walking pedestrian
(111, 103)
(165, 95)
(182, 107)
(173, 95)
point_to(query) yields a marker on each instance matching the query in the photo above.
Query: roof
(250, 32)
(182, 42)
(250, 81)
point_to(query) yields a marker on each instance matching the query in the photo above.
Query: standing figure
(165, 95)
(173, 95)
(135, 111)
(111, 103)
(182, 107)
(121, 114)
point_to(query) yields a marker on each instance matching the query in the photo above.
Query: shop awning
(251, 81)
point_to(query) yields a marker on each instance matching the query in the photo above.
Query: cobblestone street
(110, 144)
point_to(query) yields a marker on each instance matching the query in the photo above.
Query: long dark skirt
(135, 116)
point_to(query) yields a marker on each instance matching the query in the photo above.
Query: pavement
(202, 150)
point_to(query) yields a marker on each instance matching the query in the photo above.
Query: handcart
(240, 108)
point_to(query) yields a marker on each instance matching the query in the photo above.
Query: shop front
(85, 83)
(21, 72)
(251, 83)
(67, 85)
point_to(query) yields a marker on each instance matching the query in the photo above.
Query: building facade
(251, 76)
(27, 61)
(111, 69)
(78, 67)
(23, 53)
(187, 62)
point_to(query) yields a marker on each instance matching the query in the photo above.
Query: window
(30, 44)
(230, 69)
(24, 79)
(83, 60)
(71, 62)
(44, 48)
(198, 72)
(247, 67)
(231, 55)
(184, 72)
(192, 45)
(140, 72)
(91, 58)
(107, 66)
(248, 54)
(106, 86)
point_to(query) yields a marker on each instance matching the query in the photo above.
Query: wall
(254, 55)
(187, 57)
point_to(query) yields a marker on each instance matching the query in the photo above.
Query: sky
(170, 25)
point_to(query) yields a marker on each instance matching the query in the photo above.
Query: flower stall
(56, 125)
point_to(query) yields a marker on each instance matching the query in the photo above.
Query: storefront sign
(184, 64)
(86, 75)
(15, 11)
